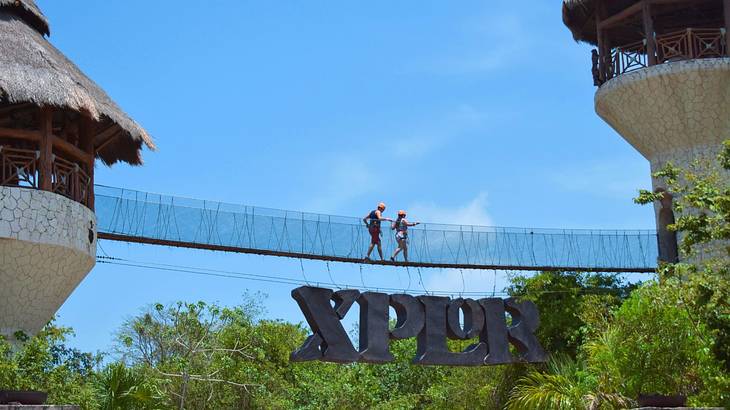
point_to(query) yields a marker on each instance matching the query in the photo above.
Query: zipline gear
(374, 219)
(374, 225)
(401, 229)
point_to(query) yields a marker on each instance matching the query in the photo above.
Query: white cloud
(350, 175)
(415, 145)
(498, 40)
(429, 136)
(342, 178)
(614, 178)
(450, 281)
(473, 212)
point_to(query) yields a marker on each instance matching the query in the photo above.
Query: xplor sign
(431, 319)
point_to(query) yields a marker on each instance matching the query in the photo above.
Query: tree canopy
(610, 341)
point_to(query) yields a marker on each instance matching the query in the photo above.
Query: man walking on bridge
(372, 222)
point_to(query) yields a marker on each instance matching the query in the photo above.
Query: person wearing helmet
(372, 222)
(400, 226)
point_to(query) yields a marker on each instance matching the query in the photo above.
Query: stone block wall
(47, 246)
(674, 112)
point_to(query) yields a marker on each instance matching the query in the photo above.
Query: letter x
(329, 341)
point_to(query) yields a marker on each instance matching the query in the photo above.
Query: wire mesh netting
(181, 221)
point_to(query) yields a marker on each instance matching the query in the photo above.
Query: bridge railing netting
(134, 214)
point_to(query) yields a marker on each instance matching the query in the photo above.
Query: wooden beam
(608, 22)
(603, 52)
(86, 134)
(20, 134)
(649, 33)
(67, 148)
(86, 137)
(224, 248)
(671, 1)
(109, 140)
(46, 148)
(105, 136)
(9, 109)
(726, 14)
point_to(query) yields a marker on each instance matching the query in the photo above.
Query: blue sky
(470, 112)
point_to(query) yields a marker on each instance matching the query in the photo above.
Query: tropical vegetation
(610, 341)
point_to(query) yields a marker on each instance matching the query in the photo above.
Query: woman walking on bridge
(400, 226)
(372, 221)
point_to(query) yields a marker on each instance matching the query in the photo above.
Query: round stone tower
(54, 124)
(663, 77)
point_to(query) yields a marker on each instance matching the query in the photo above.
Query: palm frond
(541, 391)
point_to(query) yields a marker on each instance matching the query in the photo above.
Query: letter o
(473, 319)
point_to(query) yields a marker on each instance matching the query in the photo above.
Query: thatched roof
(580, 17)
(29, 11)
(34, 71)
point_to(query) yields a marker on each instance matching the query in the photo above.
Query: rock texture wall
(675, 112)
(47, 246)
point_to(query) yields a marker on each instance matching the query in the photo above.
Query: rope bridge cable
(463, 283)
(329, 273)
(409, 280)
(286, 280)
(420, 279)
(304, 275)
(494, 284)
(132, 216)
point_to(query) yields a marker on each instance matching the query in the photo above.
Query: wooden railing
(690, 43)
(21, 168)
(69, 180)
(627, 58)
(680, 45)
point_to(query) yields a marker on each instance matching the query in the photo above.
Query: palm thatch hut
(633, 34)
(54, 120)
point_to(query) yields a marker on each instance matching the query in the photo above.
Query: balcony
(687, 44)
(48, 149)
(22, 168)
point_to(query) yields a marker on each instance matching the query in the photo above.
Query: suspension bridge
(142, 217)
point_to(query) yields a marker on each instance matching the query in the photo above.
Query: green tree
(652, 345)
(121, 388)
(702, 206)
(566, 384)
(701, 202)
(44, 362)
(567, 301)
(198, 354)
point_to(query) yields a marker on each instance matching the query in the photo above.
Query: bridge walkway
(141, 217)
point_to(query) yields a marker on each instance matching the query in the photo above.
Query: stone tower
(663, 77)
(54, 124)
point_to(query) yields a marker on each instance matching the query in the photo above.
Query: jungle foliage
(609, 340)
